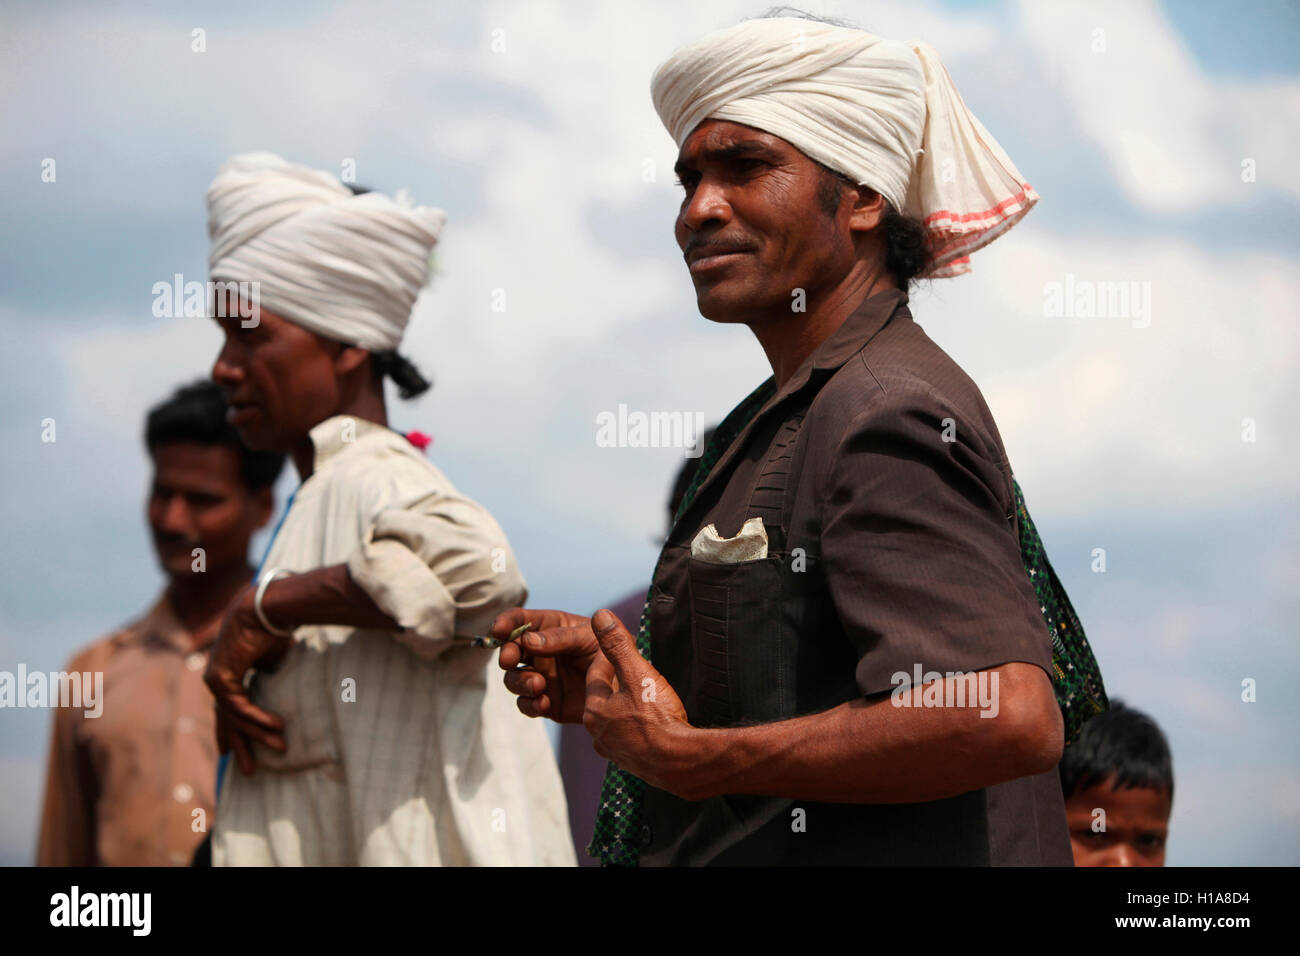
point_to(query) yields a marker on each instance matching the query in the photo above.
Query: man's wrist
(260, 603)
(325, 595)
(699, 759)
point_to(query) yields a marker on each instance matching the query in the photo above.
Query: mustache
(714, 247)
(175, 539)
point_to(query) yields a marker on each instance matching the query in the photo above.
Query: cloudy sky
(1158, 136)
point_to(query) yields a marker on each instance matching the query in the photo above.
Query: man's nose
(1124, 855)
(707, 208)
(176, 518)
(226, 370)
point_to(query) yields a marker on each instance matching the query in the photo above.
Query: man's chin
(257, 439)
(177, 565)
(717, 305)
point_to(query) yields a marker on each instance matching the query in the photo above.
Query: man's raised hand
(546, 668)
(634, 716)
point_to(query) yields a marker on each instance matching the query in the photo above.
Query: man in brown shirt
(847, 662)
(134, 787)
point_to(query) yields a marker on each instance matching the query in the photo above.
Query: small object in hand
(494, 642)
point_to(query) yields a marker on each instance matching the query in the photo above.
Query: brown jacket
(887, 499)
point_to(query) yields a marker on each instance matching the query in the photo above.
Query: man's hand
(555, 656)
(634, 716)
(241, 646)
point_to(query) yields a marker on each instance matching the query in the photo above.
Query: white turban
(883, 113)
(343, 266)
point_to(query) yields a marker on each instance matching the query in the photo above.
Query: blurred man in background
(133, 787)
(1118, 781)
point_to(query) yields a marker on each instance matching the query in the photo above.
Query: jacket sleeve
(919, 544)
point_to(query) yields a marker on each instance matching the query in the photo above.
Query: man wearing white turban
(843, 655)
(370, 732)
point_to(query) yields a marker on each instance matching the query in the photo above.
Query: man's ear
(868, 210)
(351, 358)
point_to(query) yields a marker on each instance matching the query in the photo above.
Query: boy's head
(1118, 782)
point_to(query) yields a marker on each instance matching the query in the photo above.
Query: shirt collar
(161, 625)
(338, 434)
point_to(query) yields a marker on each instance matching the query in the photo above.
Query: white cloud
(1175, 138)
(1101, 414)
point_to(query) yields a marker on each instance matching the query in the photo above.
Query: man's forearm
(876, 752)
(323, 596)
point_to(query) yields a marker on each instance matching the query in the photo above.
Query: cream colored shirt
(403, 748)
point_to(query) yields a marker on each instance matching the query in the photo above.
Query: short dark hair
(197, 413)
(1122, 743)
(907, 253)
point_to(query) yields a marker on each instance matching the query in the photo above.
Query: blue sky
(1123, 438)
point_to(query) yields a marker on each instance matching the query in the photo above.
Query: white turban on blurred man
(345, 266)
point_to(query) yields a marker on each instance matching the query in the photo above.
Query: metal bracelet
(266, 579)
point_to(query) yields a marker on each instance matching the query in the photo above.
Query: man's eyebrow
(205, 491)
(198, 489)
(749, 150)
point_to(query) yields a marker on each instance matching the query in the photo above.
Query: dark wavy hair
(788, 11)
(408, 379)
(197, 413)
(907, 254)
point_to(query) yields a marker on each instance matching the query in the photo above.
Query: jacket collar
(859, 329)
(848, 340)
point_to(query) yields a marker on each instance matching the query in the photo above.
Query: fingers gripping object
(494, 642)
